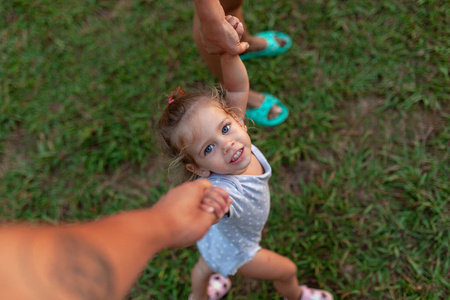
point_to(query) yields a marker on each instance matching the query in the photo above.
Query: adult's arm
(218, 36)
(101, 259)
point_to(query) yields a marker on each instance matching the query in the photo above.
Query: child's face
(221, 144)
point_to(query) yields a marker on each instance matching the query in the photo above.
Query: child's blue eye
(225, 129)
(209, 148)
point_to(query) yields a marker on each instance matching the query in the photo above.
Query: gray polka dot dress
(234, 241)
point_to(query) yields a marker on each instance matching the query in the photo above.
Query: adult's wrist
(148, 226)
(209, 11)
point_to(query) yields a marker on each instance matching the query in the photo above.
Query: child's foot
(218, 287)
(314, 294)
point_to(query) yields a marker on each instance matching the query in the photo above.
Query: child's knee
(290, 270)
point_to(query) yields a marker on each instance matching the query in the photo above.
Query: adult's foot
(255, 99)
(258, 43)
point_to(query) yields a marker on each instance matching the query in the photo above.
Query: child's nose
(227, 145)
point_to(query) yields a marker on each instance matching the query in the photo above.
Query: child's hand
(237, 25)
(216, 200)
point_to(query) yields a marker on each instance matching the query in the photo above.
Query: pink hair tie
(171, 100)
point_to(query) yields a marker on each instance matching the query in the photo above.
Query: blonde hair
(180, 109)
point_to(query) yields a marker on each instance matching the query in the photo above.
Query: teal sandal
(259, 114)
(273, 48)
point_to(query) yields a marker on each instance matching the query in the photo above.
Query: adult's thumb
(203, 183)
(242, 47)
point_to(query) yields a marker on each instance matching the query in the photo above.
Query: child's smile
(237, 156)
(221, 144)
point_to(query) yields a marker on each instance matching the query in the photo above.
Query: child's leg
(199, 280)
(272, 266)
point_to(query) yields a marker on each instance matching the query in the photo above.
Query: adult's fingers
(202, 183)
(242, 47)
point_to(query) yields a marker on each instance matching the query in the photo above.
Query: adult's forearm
(209, 11)
(102, 259)
(96, 260)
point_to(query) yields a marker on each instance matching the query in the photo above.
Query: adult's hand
(217, 35)
(190, 209)
(221, 38)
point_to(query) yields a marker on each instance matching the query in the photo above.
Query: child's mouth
(237, 155)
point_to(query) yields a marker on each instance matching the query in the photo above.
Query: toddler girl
(204, 131)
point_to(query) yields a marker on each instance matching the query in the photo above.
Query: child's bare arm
(235, 78)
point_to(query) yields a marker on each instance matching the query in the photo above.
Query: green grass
(360, 185)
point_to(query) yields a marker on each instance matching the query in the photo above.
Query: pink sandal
(314, 294)
(218, 287)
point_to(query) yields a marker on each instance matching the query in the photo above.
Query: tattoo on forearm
(74, 268)
(81, 270)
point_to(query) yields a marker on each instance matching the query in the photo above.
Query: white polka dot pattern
(233, 241)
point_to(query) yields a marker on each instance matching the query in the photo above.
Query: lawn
(360, 185)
